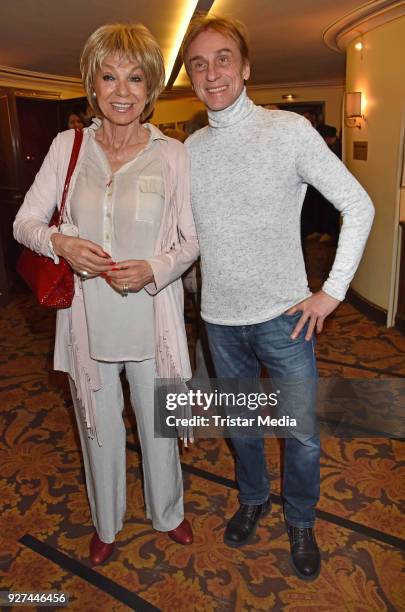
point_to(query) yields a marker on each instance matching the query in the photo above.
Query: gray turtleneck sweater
(249, 173)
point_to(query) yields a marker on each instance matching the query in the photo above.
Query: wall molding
(373, 312)
(28, 83)
(40, 84)
(187, 92)
(299, 84)
(370, 15)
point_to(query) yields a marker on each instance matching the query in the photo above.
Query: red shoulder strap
(72, 164)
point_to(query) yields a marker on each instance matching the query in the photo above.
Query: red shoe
(99, 551)
(183, 534)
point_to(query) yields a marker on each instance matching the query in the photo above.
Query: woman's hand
(82, 255)
(130, 275)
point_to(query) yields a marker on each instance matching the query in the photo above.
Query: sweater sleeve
(318, 166)
(31, 223)
(169, 266)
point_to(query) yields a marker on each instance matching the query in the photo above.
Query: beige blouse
(122, 212)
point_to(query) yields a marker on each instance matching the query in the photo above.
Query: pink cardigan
(175, 250)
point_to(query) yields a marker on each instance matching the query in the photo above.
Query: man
(250, 167)
(319, 218)
(329, 134)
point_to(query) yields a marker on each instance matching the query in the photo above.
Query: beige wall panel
(181, 109)
(378, 72)
(177, 109)
(331, 95)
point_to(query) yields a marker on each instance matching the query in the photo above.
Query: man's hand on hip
(314, 309)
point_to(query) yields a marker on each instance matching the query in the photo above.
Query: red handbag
(51, 283)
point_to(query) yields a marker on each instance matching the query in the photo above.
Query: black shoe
(241, 528)
(305, 557)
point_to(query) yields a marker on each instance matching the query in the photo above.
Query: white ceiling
(286, 35)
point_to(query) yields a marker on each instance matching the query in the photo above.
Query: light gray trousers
(105, 465)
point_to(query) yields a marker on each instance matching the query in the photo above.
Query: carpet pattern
(45, 524)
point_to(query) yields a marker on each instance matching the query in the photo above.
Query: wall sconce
(289, 97)
(353, 109)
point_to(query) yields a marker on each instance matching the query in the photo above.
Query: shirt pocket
(151, 199)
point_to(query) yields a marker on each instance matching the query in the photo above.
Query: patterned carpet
(45, 524)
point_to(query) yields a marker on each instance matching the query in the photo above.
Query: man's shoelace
(299, 535)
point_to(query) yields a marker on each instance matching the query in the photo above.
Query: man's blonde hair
(133, 42)
(224, 25)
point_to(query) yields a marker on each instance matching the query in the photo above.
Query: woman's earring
(94, 94)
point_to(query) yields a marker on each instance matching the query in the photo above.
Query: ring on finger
(84, 274)
(125, 290)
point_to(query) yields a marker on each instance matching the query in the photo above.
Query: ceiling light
(188, 11)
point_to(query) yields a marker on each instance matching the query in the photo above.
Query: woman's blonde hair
(131, 41)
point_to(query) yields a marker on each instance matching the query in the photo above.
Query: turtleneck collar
(238, 111)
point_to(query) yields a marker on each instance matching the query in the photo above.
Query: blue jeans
(238, 352)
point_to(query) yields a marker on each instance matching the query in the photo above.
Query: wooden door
(27, 128)
(11, 189)
(38, 125)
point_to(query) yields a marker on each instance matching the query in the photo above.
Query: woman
(74, 121)
(128, 235)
